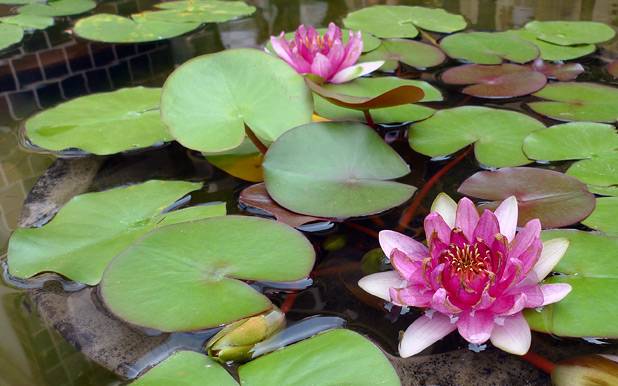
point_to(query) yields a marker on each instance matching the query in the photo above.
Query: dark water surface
(51, 66)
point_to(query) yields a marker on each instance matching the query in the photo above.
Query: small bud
(589, 370)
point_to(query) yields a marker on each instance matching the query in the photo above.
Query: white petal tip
(446, 207)
(379, 284)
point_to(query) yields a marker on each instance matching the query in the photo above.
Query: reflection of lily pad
(207, 101)
(598, 171)
(371, 88)
(605, 216)
(28, 21)
(554, 198)
(410, 52)
(488, 47)
(370, 42)
(105, 123)
(502, 81)
(200, 11)
(10, 34)
(568, 33)
(93, 228)
(497, 134)
(187, 276)
(335, 170)
(58, 8)
(337, 357)
(591, 268)
(555, 52)
(578, 101)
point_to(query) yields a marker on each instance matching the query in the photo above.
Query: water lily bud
(236, 340)
(589, 370)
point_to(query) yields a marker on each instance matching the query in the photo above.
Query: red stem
(539, 362)
(369, 119)
(260, 146)
(288, 302)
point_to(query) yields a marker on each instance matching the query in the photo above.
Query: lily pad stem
(258, 144)
(369, 119)
(539, 362)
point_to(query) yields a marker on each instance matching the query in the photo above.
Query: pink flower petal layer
(513, 336)
(379, 284)
(424, 332)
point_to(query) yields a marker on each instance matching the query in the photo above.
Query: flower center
(467, 259)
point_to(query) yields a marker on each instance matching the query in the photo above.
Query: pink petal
(414, 296)
(475, 327)
(435, 226)
(552, 252)
(467, 217)
(282, 48)
(525, 238)
(442, 304)
(333, 33)
(379, 284)
(321, 66)
(335, 55)
(506, 214)
(513, 336)
(531, 256)
(518, 305)
(534, 295)
(390, 240)
(487, 227)
(553, 293)
(353, 50)
(424, 332)
(410, 270)
(349, 73)
(446, 207)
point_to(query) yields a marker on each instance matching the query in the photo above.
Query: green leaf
(497, 135)
(333, 358)
(488, 47)
(186, 368)
(437, 20)
(244, 161)
(10, 34)
(410, 52)
(591, 268)
(104, 123)
(601, 171)
(187, 277)
(554, 52)
(58, 8)
(92, 228)
(370, 42)
(199, 11)
(28, 21)
(17, 2)
(568, 33)
(605, 216)
(371, 88)
(207, 101)
(334, 169)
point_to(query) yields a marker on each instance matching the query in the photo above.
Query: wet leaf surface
(488, 47)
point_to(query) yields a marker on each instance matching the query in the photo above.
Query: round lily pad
(501, 81)
(336, 170)
(336, 357)
(187, 277)
(409, 52)
(208, 101)
(104, 123)
(497, 135)
(578, 101)
(599, 171)
(554, 198)
(488, 47)
(554, 52)
(436, 19)
(568, 33)
(199, 11)
(370, 42)
(57, 8)
(104, 27)
(10, 34)
(605, 216)
(27, 21)
(371, 88)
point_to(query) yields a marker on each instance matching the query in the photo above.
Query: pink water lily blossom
(325, 56)
(476, 275)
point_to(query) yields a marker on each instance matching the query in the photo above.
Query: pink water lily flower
(325, 56)
(476, 275)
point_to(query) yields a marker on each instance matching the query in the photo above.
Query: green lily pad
(371, 88)
(208, 101)
(488, 47)
(437, 20)
(186, 368)
(92, 228)
(28, 21)
(578, 101)
(590, 266)
(104, 123)
(108, 28)
(58, 8)
(193, 281)
(497, 135)
(370, 42)
(244, 161)
(17, 2)
(336, 357)
(10, 34)
(332, 169)
(568, 33)
(599, 171)
(604, 190)
(200, 11)
(554, 52)
(605, 216)
(410, 52)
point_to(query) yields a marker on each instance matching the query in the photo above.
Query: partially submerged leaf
(605, 216)
(488, 47)
(410, 52)
(568, 33)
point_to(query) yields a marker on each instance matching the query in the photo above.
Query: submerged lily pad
(497, 135)
(57, 8)
(28, 21)
(598, 171)
(568, 33)
(332, 169)
(578, 101)
(488, 47)
(409, 52)
(10, 34)
(554, 198)
(370, 42)
(554, 52)
(372, 88)
(208, 101)
(104, 123)
(199, 11)
(502, 81)
(187, 276)
(605, 216)
(590, 266)
(92, 228)
(337, 357)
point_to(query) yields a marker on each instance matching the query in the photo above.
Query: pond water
(51, 66)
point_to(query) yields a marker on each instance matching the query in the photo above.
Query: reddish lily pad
(560, 71)
(410, 52)
(612, 68)
(502, 81)
(554, 198)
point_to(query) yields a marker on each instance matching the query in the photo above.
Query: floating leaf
(10, 34)
(409, 52)
(372, 88)
(488, 47)
(554, 52)
(600, 171)
(554, 198)
(57, 8)
(92, 228)
(578, 101)
(436, 19)
(187, 276)
(199, 11)
(336, 357)
(604, 190)
(561, 71)
(17, 2)
(605, 216)
(244, 162)
(334, 169)
(568, 33)
(591, 268)
(497, 134)
(501, 81)
(109, 28)
(207, 101)
(104, 123)
(186, 368)
(28, 21)
(370, 42)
